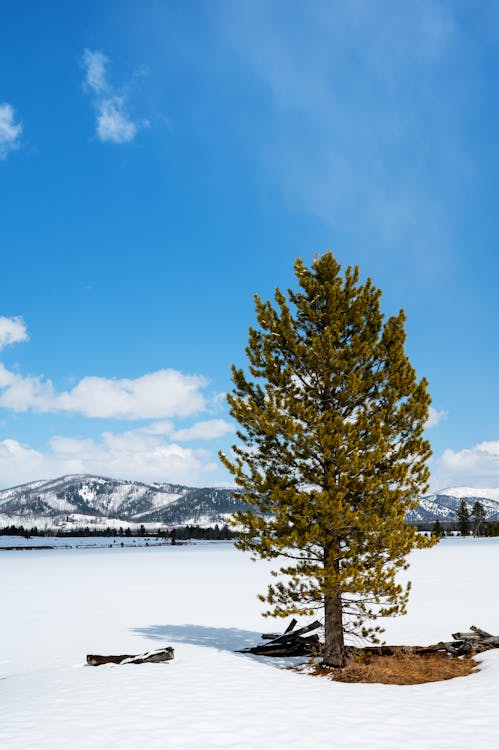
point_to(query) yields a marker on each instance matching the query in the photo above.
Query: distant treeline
(177, 534)
(444, 528)
(181, 533)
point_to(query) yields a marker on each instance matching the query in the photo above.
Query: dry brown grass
(401, 669)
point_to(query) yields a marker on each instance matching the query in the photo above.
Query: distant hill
(85, 500)
(442, 505)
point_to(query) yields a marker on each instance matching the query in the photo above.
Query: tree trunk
(333, 654)
(334, 646)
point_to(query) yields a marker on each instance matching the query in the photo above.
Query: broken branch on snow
(162, 654)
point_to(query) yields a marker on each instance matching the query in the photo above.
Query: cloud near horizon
(152, 452)
(477, 466)
(131, 455)
(148, 454)
(114, 122)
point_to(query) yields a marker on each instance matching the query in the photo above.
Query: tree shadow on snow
(222, 639)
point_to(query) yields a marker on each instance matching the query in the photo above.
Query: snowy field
(59, 605)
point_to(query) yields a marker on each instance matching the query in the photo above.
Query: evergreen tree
(478, 515)
(331, 454)
(463, 518)
(438, 529)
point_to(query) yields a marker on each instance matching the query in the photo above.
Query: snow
(59, 605)
(87, 493)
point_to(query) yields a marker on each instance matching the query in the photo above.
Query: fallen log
(291, 636)
(293, 643)
(150, 657)
(290, 643)
(480, 632)
(464, 644)
(299, 647)
(465, 636)
(452, 648)
(291, 626)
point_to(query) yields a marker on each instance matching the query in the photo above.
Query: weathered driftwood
(163, 654)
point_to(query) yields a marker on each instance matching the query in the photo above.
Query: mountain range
(84, 500)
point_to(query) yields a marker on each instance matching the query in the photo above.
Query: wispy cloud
(114, 123)
(435, 417)
(10, 130)
(94, 64)
(207, 430)
(12, 331)
(347, 84)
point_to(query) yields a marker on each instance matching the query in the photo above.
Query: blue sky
(160, 162)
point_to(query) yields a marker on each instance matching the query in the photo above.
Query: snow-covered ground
(59, 605)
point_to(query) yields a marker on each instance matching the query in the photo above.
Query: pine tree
(438, 529)
(331, 454)
(478, 515)
(463, 518)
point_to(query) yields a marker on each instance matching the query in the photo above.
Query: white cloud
(165, 393)
(21, 394)
(435, 417)
(94, 64)
(20, 463)
(159, 428)
(476, 466)
(7, 378)
(208, 430)
(12, 331)
(157, 395)
(114, 122)
(10, 131)
(130, 455)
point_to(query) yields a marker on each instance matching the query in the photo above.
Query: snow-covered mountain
(85, 500)
(442, 505)
(81, 500)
